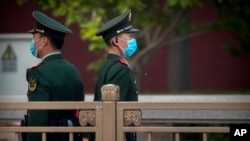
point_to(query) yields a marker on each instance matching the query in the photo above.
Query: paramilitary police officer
(54, 79)
(118, 35)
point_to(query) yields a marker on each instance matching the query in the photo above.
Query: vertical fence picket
(149, 136)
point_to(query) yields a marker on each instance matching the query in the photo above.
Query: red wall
(154, 75)
(211, 67)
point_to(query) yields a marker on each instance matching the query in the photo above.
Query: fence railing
(110, 119)
(59, 106)
(204, 130)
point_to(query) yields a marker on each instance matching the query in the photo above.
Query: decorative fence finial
(110, 92)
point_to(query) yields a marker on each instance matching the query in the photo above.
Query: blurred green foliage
(157, 20)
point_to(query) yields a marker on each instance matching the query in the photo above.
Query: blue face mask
(33, 50)
(130, 50)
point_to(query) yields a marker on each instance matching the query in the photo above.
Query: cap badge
(32, 84)
(129, 16)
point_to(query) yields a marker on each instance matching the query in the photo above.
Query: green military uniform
(54, 79)
(116, 71)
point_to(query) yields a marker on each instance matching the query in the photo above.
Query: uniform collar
(117, 57)
(52, 56)
(113, 56)
(53, 53)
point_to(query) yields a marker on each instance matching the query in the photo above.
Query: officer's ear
(114, 41)
(45, 40)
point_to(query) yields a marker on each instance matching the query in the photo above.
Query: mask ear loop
(115, 43)
(40, 46)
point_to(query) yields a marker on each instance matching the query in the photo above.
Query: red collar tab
(122, 61)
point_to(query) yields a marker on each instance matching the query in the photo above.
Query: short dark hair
(57, 42)
(108, 42)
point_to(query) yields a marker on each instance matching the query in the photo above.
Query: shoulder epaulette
(122, 61)
(36, 66)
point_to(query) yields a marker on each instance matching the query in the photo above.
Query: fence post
(110, 94)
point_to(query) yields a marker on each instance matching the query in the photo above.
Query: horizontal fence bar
(178, 129)
(48, 129)
(195, 120)
(122, 105)
(49, 105)
(182, 106)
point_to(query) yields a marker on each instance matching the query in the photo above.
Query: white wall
(14, 83)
